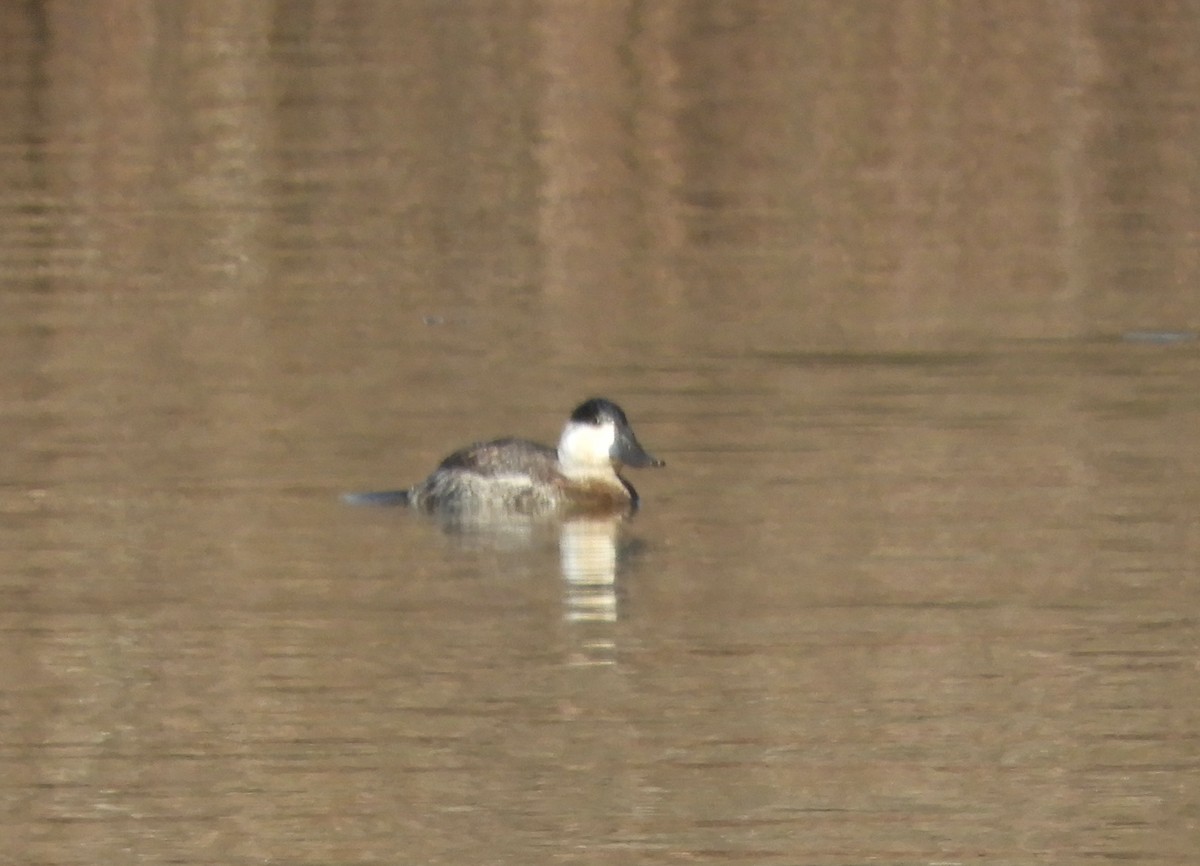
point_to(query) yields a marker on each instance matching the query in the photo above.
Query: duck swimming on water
(519, 477)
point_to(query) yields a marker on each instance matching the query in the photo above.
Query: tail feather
(378, 497)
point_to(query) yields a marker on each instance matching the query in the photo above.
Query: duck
(511, 476)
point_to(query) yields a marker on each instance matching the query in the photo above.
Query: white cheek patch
(587, 446)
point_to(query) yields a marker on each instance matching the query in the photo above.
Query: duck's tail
(378, 497)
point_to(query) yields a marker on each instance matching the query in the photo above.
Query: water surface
(903, 294)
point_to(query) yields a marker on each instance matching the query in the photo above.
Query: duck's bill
(631, 453)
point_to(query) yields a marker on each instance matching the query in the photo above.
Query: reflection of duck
(515, 476)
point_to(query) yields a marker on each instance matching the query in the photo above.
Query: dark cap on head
(596, 410)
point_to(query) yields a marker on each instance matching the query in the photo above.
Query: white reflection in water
(588, 552)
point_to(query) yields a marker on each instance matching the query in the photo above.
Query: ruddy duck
(515, 476)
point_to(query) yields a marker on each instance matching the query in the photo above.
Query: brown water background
(905, 294)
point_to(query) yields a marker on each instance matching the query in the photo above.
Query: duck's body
(515, 476)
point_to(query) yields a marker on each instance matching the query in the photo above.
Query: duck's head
(598, 440)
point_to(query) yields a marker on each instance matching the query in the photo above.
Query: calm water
(905, 295)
